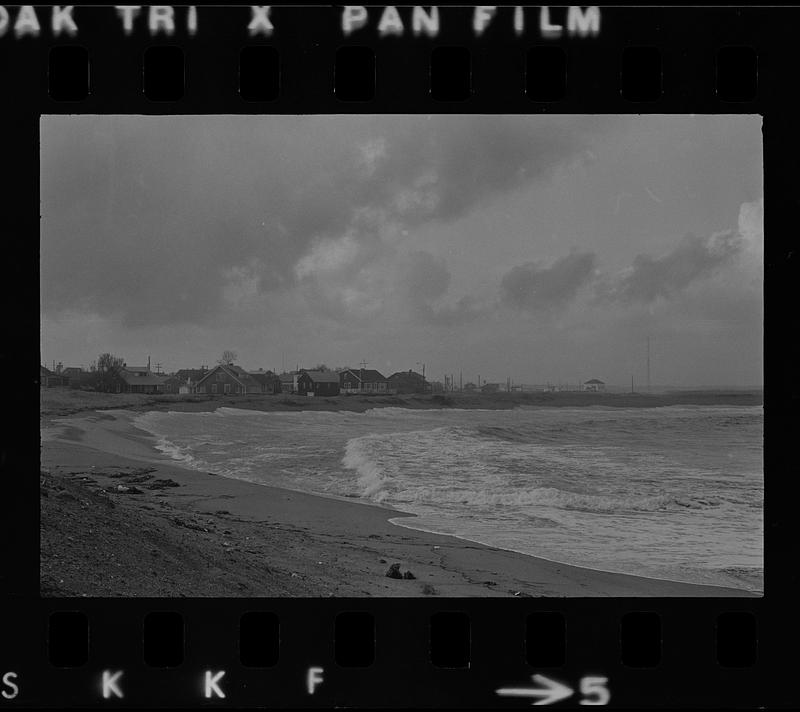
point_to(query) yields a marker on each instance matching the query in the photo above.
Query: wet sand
(121, 519)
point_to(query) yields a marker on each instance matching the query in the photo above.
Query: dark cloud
(145, 219)
(423, 281)
(532, 287)
(650, 278)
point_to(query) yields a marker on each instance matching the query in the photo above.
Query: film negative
(397, 356)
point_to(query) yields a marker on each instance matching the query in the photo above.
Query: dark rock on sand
(408, 575)
(394, 572)
(162, 484)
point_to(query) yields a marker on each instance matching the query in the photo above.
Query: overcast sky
(544, 248)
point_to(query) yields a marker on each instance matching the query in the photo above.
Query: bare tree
(320, 367)
(228, 358)
(107, 368)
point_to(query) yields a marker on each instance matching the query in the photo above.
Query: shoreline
(94, 454)
(59, 402)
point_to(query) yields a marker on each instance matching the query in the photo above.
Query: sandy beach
(119, 518)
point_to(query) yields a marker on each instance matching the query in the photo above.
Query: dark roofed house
(270, 382)
(227, 379)
(134, 379)
(184, 380)
(407, 382)
(594, 385)
(49, 379)
(72, 371)
(363, 380)
(288, 382)
(318, 383)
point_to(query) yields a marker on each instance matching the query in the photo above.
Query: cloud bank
(161, 220)
(532, 287)
(650, 278)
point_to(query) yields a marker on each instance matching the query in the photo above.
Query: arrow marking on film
(550, 691)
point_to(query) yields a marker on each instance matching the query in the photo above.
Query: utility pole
(460, 381)
(631, 383)
(363, 366)
(648, 364)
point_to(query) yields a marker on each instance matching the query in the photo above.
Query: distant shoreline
(56, 402)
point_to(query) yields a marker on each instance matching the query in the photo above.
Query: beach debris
(408, 575)
(374, 536)
(188, 525)
(489, 583)
(162, 484)
(124, 489)
(381, 561)
(516, 593)
(394, 572)
(429, 590)
(138, 479)
(436, 548)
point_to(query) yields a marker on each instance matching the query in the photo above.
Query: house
(318, 383)
(363, 380)
(594, 385)
(72, 372)
(407, 382)
(270, 382)
(288, 382)
(134, 379)
(184, 380)
(490, 388)
(48, 379)
(227, 379)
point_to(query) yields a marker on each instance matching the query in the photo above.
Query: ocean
(671, 493)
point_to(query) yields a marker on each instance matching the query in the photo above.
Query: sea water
(673, 492)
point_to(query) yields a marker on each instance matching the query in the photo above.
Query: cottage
(407, 382)
(227, 379)
(49, 379)
(270, 382)
(71, 371)
(318, 383)
(288, 382)
(184, 380)
(363, 380)
(594, 385)
(135, 379)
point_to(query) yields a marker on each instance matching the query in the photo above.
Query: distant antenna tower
(648, 364)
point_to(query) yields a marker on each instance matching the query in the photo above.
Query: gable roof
(370, 374)
(594, 380)
(406, 374)
(235, 372)
(133, 379)
(263, 377)
(184, 374)
(323, 376)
